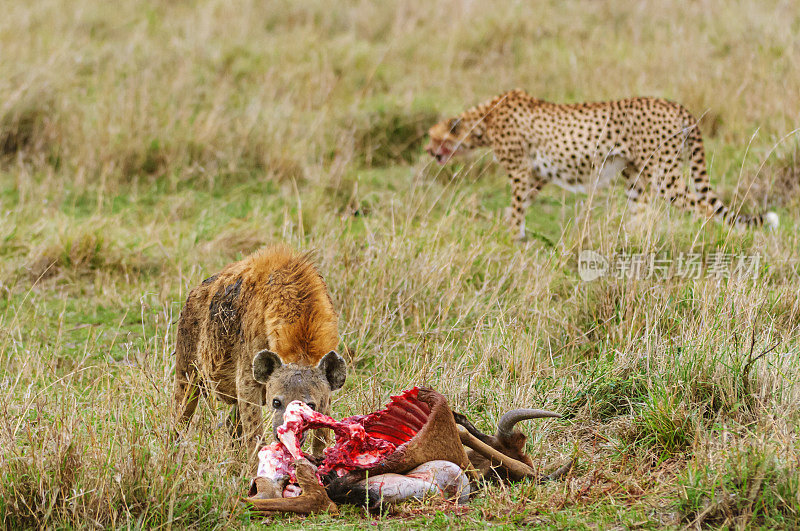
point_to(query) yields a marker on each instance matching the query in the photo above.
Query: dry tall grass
(143, 145)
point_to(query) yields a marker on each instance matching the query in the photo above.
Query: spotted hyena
(262, 331)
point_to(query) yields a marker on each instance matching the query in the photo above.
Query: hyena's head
(285, 383)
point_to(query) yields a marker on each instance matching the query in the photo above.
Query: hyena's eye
(312, 405)
(276, 403)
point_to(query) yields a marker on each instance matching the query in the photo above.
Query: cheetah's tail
(707, 200)
(710, 203)
(769, 220)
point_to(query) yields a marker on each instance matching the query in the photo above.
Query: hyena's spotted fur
(261, 331)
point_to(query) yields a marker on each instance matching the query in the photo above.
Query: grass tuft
(751, 488)
(27, 127)
(386, 133)
(610, 391)
(664, 427)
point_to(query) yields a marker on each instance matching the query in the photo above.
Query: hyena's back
(274, 299)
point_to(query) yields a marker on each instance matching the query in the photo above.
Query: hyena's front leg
(233, 424)
(322, 439)
(186, 393)
(248, 401)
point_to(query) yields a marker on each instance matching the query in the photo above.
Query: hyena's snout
(285, 383)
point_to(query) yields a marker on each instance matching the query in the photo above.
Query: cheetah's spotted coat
(579, 146)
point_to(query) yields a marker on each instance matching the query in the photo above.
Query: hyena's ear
(264, 364)
(334, 368)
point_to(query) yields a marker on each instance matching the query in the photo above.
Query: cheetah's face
(447, 139)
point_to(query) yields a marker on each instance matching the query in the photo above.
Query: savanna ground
(146, 144)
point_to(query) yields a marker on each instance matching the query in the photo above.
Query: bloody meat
(361, 441)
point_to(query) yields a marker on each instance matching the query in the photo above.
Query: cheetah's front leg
(515, 159)
(525, 186)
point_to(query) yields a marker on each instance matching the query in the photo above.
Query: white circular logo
(591, 265)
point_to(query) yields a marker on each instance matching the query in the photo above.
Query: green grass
(752, 487)
(144, 146)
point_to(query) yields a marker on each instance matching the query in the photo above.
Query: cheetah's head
(450, 138)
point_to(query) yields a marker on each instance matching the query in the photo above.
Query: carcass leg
(428, 479)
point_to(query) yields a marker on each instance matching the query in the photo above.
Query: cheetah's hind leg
(638, 211)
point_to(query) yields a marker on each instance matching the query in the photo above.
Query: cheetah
(584, 145)
(261, 331)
